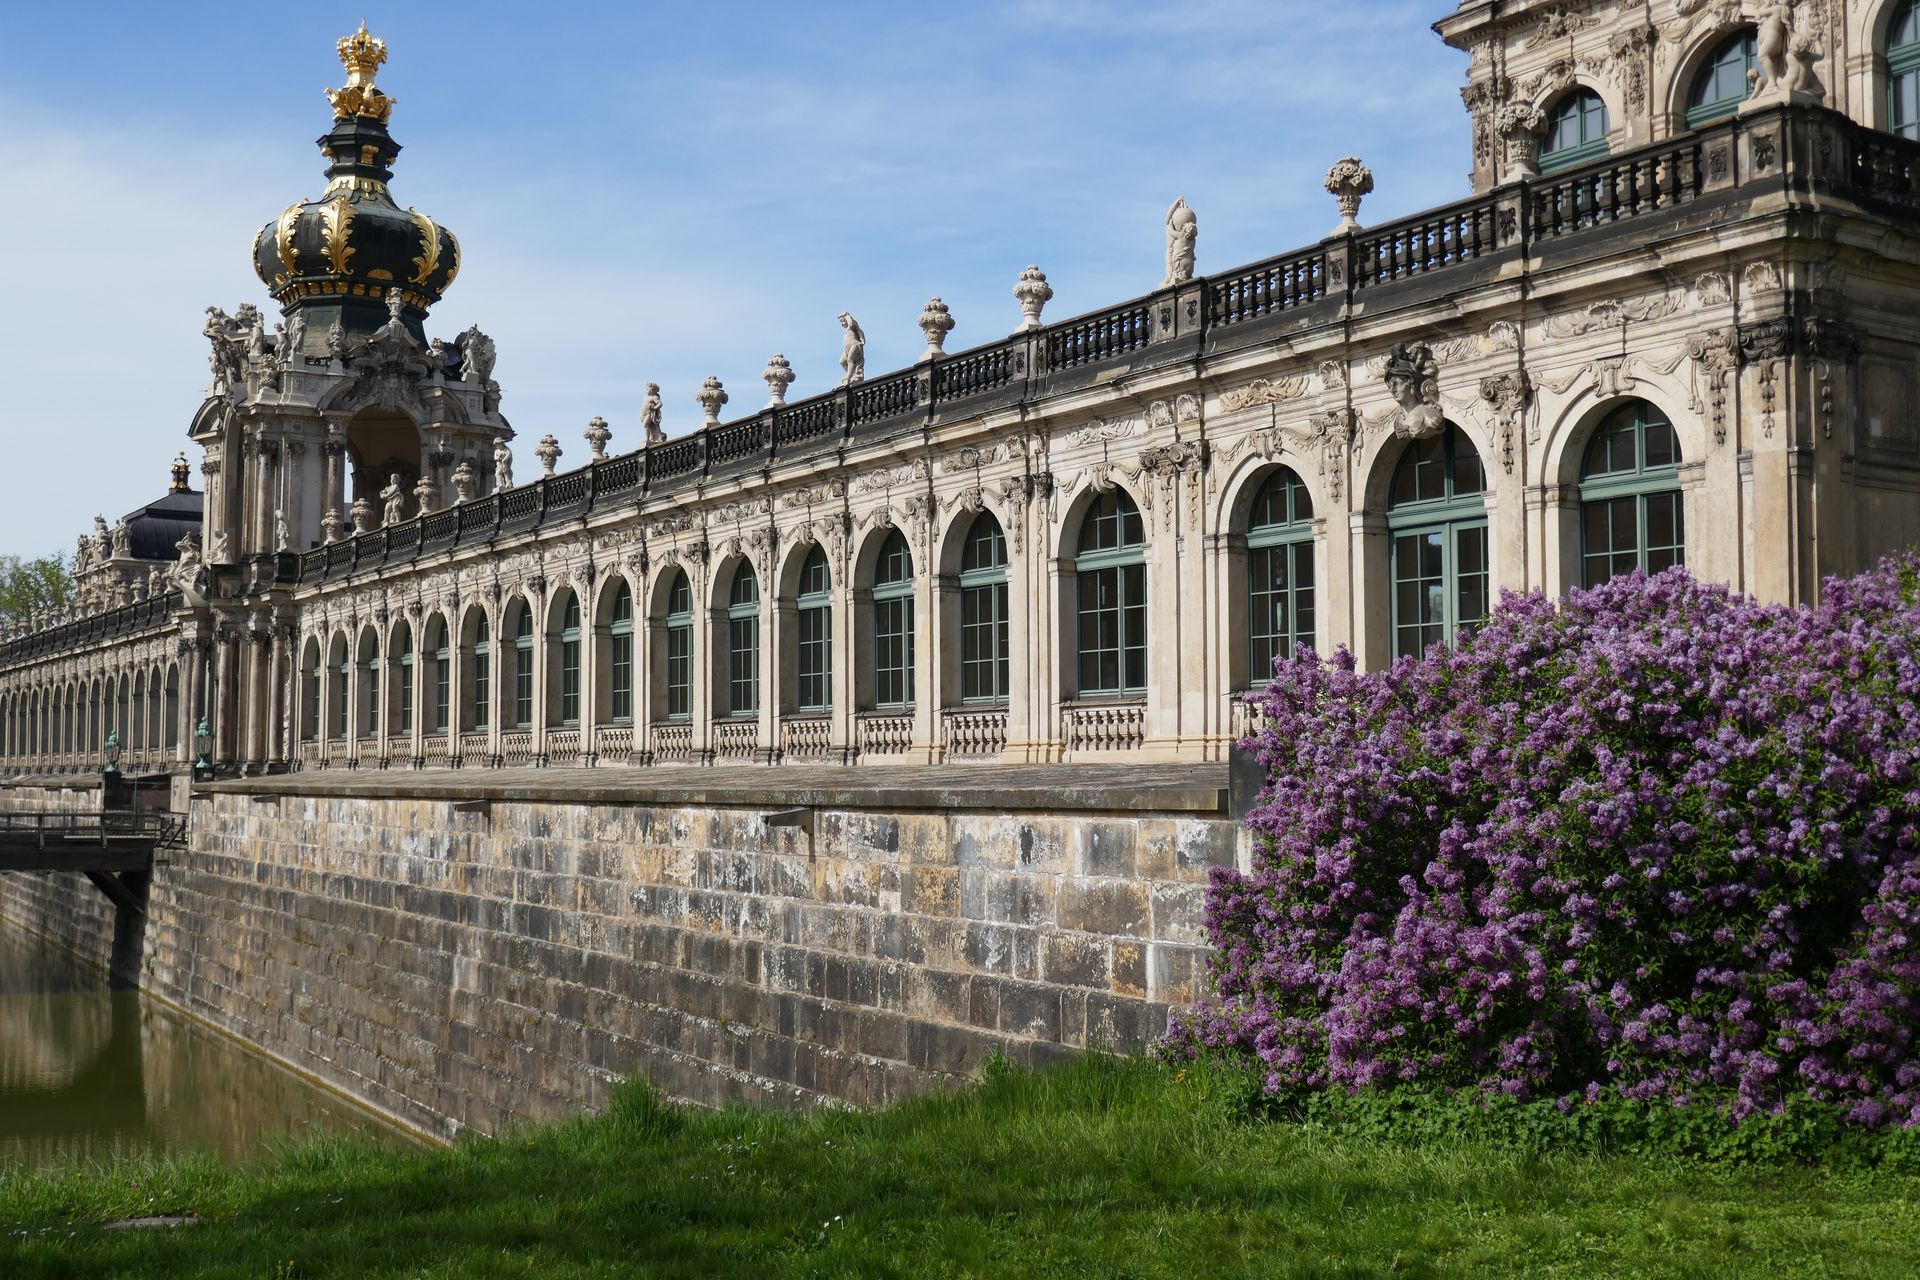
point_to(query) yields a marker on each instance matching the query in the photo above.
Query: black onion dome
(336, 258)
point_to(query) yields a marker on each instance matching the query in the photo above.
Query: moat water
(88, 1072)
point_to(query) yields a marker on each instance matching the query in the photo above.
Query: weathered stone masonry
(460, 950)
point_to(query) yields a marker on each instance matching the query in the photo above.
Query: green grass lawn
(1104, 1168)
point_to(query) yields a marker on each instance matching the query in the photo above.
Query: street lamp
(202, 744)
(113, 751)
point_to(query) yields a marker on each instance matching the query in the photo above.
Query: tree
(33, 587)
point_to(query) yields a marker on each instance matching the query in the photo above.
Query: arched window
(620, 654)
(137, 714)
(1576, 131)
(814, 633)
(893, 624)
(569, 673)
(1279, 572)
(1438, 530)
(400, 721)
(342, 667)
(482, 668)
(156, 721)
(1630, 509)
(679, 648)
(743, 642)
(983, 612)
(369, 685)
(522, 628)
(1903, 71)
(1110, 565)
(1721, 86)
(441, 711)
(309, 693)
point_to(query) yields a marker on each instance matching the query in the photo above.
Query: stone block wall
(464, 962)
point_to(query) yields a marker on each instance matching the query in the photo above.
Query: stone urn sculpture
(1032, 292)
(779, 376)
(1349, 182)
(936, 322)
(596, 435)
(548, 451)
(712, 397)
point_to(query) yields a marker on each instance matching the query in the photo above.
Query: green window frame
(985, 665)
(620, 656)
(523, 667)
(1576, 131)
(442, 679)
(1280, 572)
(679, 648)
(342, 693)
(1632, 516)
(1721, 85)
(814, 633)
(570, 661)
(893, 624)
(1110, 569)
(1438, 563)
(370, 688)
(482, 675)
(1903, 71)
(404, 684)
(743, 642)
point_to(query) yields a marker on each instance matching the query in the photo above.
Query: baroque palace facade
(1673, 323)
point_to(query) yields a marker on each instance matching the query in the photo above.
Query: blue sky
(663, 191)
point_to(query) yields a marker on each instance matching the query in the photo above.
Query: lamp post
(112, 751)
(202, 744)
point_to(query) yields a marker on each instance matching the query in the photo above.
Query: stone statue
(650, 415)
(82, 553)
(102, 539)
(1783, 58)
(463, 481)
(228, 357)
(220, 548)
(596, 435)
(394, 496)
(1183, 229)
(156, 583)
(294, 339)
(1412, 376)
(502, 466)
(395, 304)
(476, 355)
(282, 536)
(337, 342)
(443, 356)
(187, 573)
(122, 541)
(853, 351)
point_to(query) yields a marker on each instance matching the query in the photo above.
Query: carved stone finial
(362, 515)
(548, 451)
(596, 435)
(423, 495)
(1349, 182)
(1183, 232)
(463, 482)
(1412, 376)
(712, 398)
(1520, 125)
(779, 376)
(1032, 292)
(936, 321)
(395, 304)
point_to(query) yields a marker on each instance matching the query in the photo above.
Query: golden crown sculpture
(362, 55)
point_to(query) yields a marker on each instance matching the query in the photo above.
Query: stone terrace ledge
(1189, 789)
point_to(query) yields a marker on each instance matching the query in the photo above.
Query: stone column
(265, 466)
(284, 673)
(223, 700)
(334, 482)
(293, 484)
(1034, 594)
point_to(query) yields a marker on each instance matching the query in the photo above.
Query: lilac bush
(1654, 841)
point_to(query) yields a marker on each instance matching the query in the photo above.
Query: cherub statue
(502, 466)
(395, 498)
(102, 539)
(853, 351)
(282, 536)
(337, 341)
(1183, 229)
(476, 355)
(650, 415)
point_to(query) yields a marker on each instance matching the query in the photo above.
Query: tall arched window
(401, 719)
(439, 714)
(1630, 509)
(369, 685)
(1438, 529)
(522, 631)
(173, 701)
(814, 633)
(137, 713)
(309, 693)
(1721, 85)
(341, 668)
(983, 612)
(679, 648)
(156, 722)
(1110, 565)
(569, 672)
(620, 654)
(1576, 131)
(1279, 572)
(1903, 71)
(482, 667)
(743, 642)
(893, 624)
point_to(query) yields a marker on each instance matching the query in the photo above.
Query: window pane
(1470, 570)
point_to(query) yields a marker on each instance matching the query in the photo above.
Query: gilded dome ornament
(362, 55)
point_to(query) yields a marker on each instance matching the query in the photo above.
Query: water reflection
(87, 1071)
